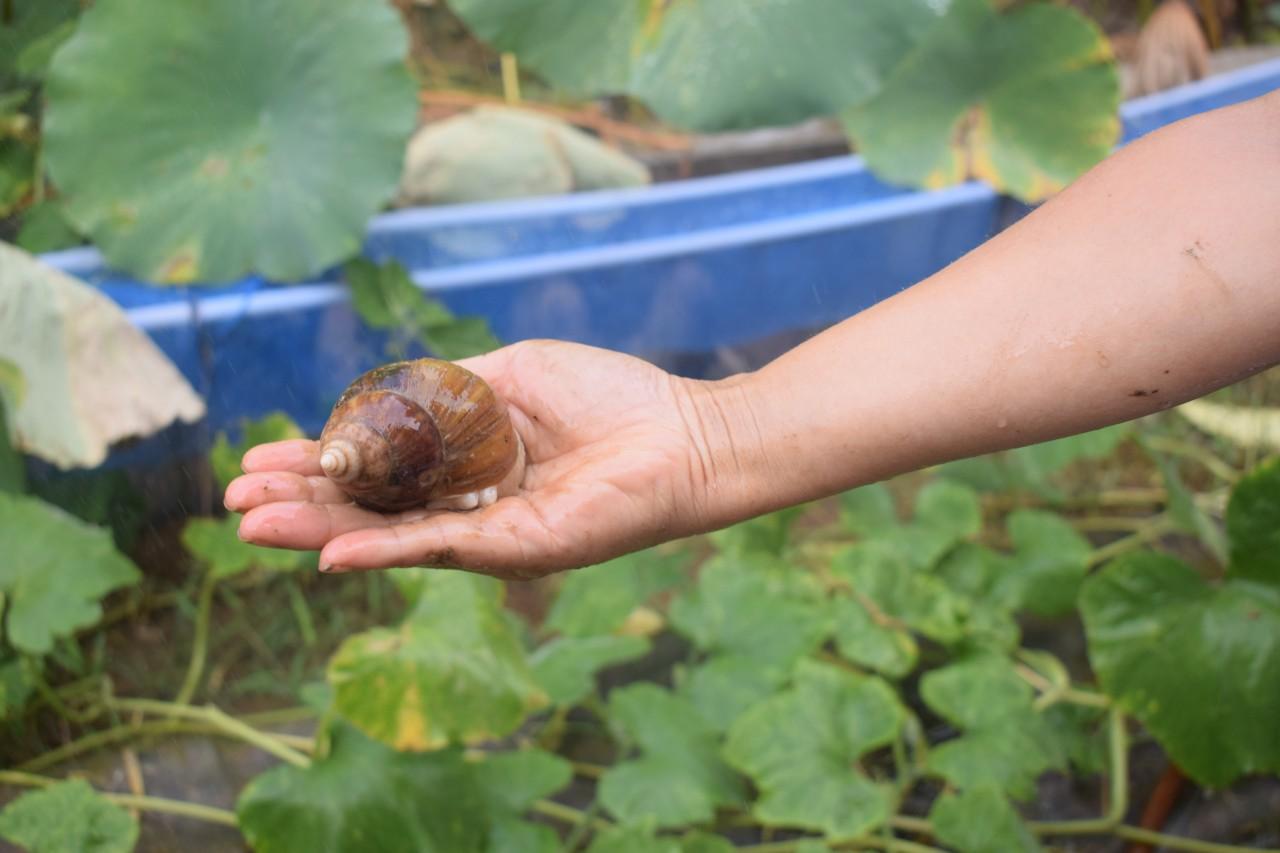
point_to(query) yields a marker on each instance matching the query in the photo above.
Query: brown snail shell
(421, 433)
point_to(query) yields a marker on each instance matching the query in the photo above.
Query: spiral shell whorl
(340, 460)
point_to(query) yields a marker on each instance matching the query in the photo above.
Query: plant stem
(1153, 530)
(1188, 450)
(200, 645)
(568, 814)
(510, 78)
(209, 814)
(218, 719)
(1133, 833)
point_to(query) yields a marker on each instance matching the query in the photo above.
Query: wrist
(730, 461)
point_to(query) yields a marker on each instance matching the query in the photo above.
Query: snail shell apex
(419, 433)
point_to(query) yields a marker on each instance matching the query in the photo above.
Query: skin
(1154, 279)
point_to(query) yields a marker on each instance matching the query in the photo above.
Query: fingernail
(330, 568)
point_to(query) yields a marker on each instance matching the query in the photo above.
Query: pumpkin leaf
(53, 571)
(262, 154)
(802, 746)
(453, 672)
(1025, 99)
(69, 817)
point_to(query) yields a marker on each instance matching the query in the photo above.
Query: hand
(615, 465)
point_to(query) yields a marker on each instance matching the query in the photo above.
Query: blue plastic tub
(674, 272)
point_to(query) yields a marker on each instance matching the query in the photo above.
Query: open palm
(613, 467)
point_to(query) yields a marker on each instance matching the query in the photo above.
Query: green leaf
(802, 746)
(871, 643)
(53, 570)
(1197, 664)
(17, 168)
(790, 61)
(987, 593)
(1184, 511)
(1253, 524)
(1025, 100)
(946, 513)
(566, 667)
(44, 229)
(364, 796)
(598, 600)
(15, 687)
(261, 154)
(386, 298)
(1035, 468)
(679, 777)
(725, 686)
(1049, 562)
(225, 457)
(631, 839)
(744, 607)
(29, 39)
(765, 534)
(1006, 743)
(895, 594)
(981, 820)
(216, 542)
(69, 817)
(453, 672)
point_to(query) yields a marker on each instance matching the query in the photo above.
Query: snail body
(421, 433)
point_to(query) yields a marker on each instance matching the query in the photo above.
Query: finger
(307, 526)
(298, 455)
(508, 539)
(253, 490)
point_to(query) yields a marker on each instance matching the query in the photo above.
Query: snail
(421, 433)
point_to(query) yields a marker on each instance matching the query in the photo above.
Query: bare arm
(1152, 280)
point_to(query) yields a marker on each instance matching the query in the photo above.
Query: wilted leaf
(492, 153)
(216, 543)
(566, 667)
(981, 820)
(597, 600)
(1199, 665)
(679, 777)
(92, 377)
(364, 796)
(1024, 99)
(1005, 742)
(69, 817)
(1245, 426)
(453, 672)
(261, 153)
(53, 570)
(802, 746)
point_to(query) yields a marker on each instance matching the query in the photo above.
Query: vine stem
(200, 646)
(209, 814)
(1187, 450)
(1157, 527)
(217, 718)
(568, 814)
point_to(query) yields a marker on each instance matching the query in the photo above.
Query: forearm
(1152, 280)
